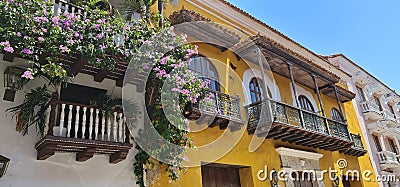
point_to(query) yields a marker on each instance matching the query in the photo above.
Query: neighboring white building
(377, 107)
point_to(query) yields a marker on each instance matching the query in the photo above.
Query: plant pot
(9, 57)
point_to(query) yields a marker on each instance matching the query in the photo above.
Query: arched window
(305, 104)
(205, 70)
(256, 92)
(336, 115)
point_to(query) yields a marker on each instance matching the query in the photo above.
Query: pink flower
(9, 49)
(71, 41)
(96, 26)
(170, 48)
(76, 34)
(163, 60)
(101, 21)
(161, 73)
(26, 37)
(185, 158)
(99, 36)
(185, 92)
(87, 21)
(27, 51)
(55, 20)
(41, 39)
(44, 30)
(102, 47)
(63, 49)
(5, 43)
(145, 66)
(126, 28)
(18, 34)
(28, 75)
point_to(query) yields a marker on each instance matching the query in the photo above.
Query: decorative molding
(283, 151)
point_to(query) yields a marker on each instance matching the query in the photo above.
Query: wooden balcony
(280, 121)
(357, 149)
(221, 110)
(371, 110)
(84, 130)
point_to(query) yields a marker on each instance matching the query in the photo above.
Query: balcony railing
(85, 130)
(389, 118)
(220, 108)
(89, 123)
(387, 157)
(357, 141)
(371, 110)
(369, 106)
(62, 7)
(293, 116)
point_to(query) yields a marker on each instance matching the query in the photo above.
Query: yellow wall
(266, 154)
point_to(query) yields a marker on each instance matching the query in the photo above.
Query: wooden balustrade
(72, 119)
(85, 130)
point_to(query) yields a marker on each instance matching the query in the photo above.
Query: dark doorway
(346, 182)
(80, 94)
(302, 179)
(220, 176)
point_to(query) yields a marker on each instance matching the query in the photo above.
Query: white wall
(61, 169)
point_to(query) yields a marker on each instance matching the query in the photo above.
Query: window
(336, 115)
(391, 110)
(377, 143)
(393, 146)
(205, 70)
(305, 104)
(361, 94)
(256, 93)
(378, 102)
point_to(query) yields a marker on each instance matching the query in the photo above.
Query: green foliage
(106, 103)
(36, 99)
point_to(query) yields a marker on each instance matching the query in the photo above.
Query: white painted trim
(269, 82)
(283, 151)
(302, 91)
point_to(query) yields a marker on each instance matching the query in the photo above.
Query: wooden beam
(45, 152)
(120, 82)
(118, 157)
(288, 133)
(296, 135)
(85, 154)
(101, 75)
(77, 67)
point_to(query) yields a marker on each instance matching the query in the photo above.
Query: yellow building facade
(299, 137)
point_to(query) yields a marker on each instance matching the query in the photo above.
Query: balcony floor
(303, 137)
(84, 149)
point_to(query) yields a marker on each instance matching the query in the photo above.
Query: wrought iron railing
(220, 104)
(290, 115)
(356, 138)
(338, 129)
